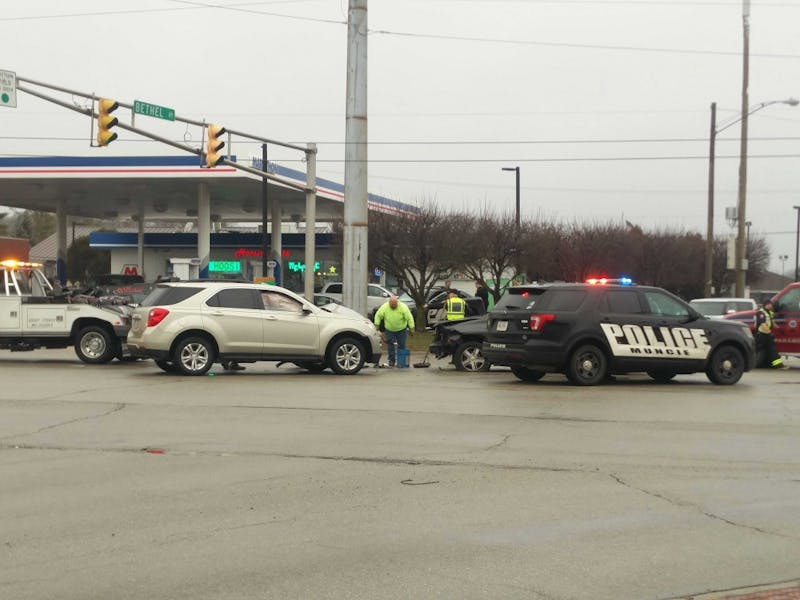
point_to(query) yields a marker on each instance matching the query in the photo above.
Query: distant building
(15, 248)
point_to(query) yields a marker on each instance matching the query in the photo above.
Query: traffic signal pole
(216, 158)
(196, 151)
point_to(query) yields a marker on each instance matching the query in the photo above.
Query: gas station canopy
(166, 187)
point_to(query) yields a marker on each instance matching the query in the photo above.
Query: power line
(543, 160)
(454, 142)
(193, 5)
(506, 160)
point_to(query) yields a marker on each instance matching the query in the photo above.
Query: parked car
(717, 308)
(376, 296)
(787, 322)
(463, 340)
(188, 326)
(435, 306)
(590, 331)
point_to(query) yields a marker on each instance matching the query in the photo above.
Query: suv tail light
(155, 316)
(538, 321)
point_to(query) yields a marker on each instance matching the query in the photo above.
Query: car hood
(342, 311)
(745, 317)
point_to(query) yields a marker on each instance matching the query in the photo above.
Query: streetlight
(783, 258)
(516, 169)
(711, 155)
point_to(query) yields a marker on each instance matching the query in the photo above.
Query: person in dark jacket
(482, 292)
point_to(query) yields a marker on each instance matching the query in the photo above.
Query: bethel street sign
(153, 110)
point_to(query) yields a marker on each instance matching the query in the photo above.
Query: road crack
(111, 411)
(696, 508)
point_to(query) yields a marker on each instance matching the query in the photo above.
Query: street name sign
(153, 110)
(8, 89)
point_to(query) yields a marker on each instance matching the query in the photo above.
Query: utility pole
(355, 170)
(264, 214)
(741, 214)
(709, 285)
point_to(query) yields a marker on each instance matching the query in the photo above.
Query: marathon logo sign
(656, 342)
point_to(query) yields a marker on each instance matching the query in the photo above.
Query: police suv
(592, 330)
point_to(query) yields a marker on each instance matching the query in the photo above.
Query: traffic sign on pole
(153, 110)
(8, 89)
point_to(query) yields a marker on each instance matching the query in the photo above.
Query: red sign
(130, 269)
(247, 253)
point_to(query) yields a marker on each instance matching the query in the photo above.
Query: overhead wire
(240, 7)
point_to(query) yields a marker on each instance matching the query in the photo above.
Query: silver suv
(188, 326)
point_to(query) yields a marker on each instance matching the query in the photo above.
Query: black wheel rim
(588, 365)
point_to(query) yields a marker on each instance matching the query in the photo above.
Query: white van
(717, 308)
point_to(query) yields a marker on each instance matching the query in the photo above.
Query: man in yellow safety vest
(455, 307)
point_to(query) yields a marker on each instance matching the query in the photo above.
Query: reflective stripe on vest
(766, 325)
(455, 309)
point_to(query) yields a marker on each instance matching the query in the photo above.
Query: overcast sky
(604, 104)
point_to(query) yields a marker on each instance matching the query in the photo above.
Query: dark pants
(391, 338)
(765, 342)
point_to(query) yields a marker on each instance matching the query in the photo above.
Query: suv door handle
(218, 313)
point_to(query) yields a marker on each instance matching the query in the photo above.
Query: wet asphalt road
(121, 481)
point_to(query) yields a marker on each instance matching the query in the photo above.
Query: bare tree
(597, 249)
(492, 246)
(419, 248)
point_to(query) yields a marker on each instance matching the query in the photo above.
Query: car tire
(95, 345)
(662, 376)
(726, 365)
(194, 355)
(312, 366)
(469, 357)
(587, 365)
(346, 356)
(167, 366)
(527, 374)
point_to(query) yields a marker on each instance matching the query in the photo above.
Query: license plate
(502, 326)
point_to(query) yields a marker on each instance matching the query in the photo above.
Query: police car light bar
(607, 281)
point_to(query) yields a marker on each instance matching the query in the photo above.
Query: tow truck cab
(33, 315)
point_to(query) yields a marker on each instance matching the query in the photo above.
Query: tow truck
(35, 315)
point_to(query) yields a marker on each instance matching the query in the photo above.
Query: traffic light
(105, 121)
(214, 145)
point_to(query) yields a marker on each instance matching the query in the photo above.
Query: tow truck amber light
(537, 322)
(155, 316)
(16, 264)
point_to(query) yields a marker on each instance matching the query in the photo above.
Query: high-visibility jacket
(456, 308)
(394, 319)
(765, 320)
